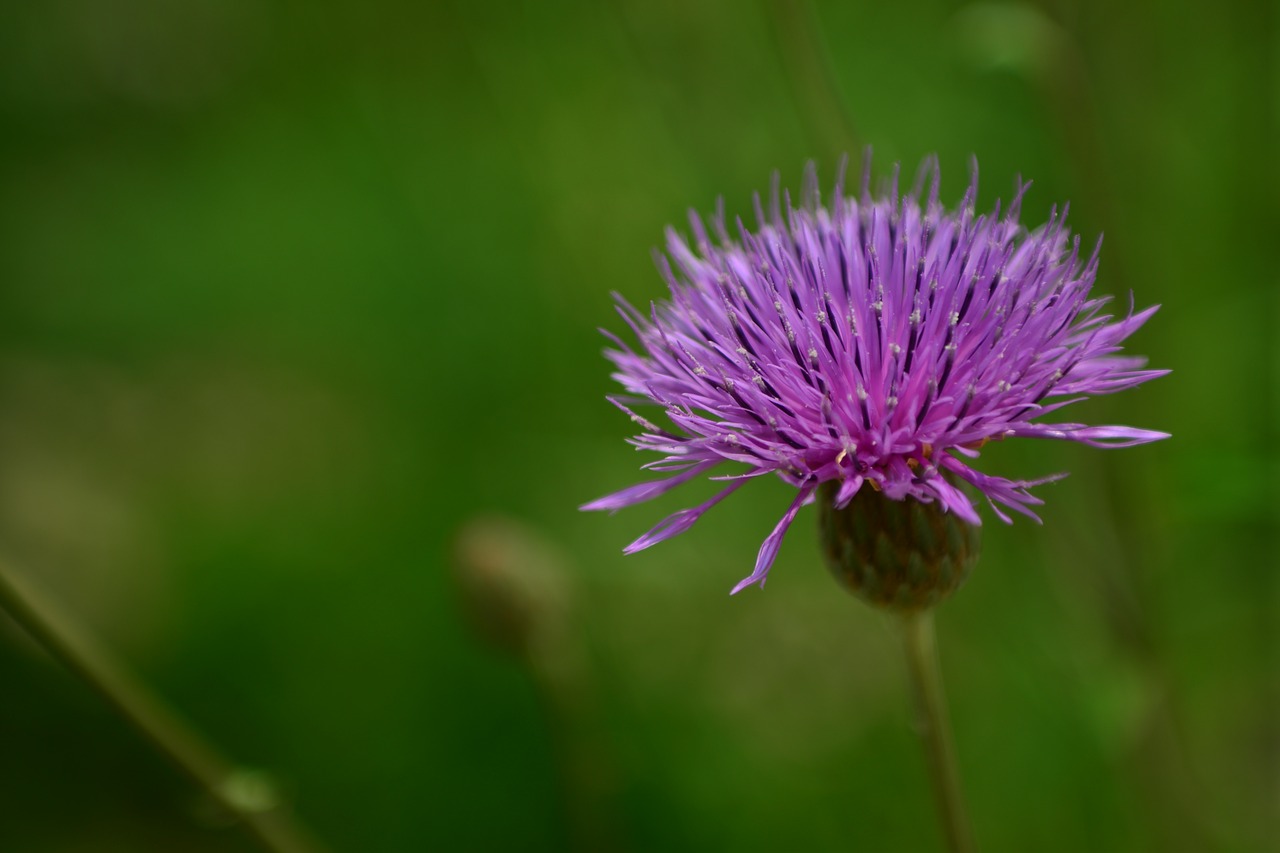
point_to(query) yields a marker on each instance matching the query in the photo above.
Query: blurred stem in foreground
(514, 587)
(1107, 573)
(242, 792)
(934, 727)
(811, 76)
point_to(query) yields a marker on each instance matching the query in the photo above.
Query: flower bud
(902, 555)
(512, 583)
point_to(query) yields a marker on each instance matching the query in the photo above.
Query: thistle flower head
(874, 343)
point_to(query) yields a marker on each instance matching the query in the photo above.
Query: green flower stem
(934, 728)
(241, 792)
(806, 63)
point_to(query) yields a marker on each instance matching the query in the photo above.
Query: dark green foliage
(293, 291)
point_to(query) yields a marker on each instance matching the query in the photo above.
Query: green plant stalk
(232, 787)
(934, 728)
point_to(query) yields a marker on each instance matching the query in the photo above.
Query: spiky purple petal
(769, 548)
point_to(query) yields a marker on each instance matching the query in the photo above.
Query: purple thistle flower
(874, 343)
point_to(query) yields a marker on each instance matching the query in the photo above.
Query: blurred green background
(293, 293)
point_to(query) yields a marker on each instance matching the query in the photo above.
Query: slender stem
(243, 793)
(808, 69)
(934, 728)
